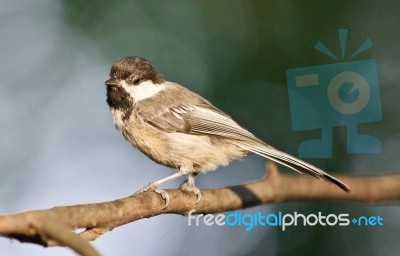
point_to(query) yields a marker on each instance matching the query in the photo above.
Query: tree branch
(55, 226)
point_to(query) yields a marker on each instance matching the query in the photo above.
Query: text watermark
(282, 220)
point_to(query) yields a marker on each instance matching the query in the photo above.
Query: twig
(55, 226)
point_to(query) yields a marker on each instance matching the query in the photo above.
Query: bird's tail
(291, 162)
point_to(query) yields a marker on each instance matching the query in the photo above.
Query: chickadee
(180, 129)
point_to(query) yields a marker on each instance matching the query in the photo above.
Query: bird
(180, 129)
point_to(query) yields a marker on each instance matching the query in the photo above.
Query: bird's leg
(154, 186)
(188, 185)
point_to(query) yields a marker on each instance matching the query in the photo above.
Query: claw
(164, 196)
(188, 185)
(197, 193)
(158, 190)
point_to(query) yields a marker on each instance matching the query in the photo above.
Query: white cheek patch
(144, 90)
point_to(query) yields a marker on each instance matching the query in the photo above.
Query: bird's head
(132, 79)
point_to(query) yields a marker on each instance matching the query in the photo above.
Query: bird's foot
(155, 188)
(188, 185)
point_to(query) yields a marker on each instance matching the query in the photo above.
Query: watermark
(281, 220)
(345, 93)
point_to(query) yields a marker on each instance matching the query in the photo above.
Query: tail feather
(293, 163)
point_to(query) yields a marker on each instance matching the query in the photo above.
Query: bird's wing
(170, 119)
(199, 119)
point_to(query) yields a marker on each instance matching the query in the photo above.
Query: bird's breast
(144, 137)
(118, 118)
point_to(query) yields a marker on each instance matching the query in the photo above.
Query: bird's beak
(112, 82)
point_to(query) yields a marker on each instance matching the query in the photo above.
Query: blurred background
(58, 145)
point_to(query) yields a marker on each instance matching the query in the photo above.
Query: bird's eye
(136, 81)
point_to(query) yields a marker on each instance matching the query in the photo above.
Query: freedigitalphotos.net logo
(249, 221)
(345, 93)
